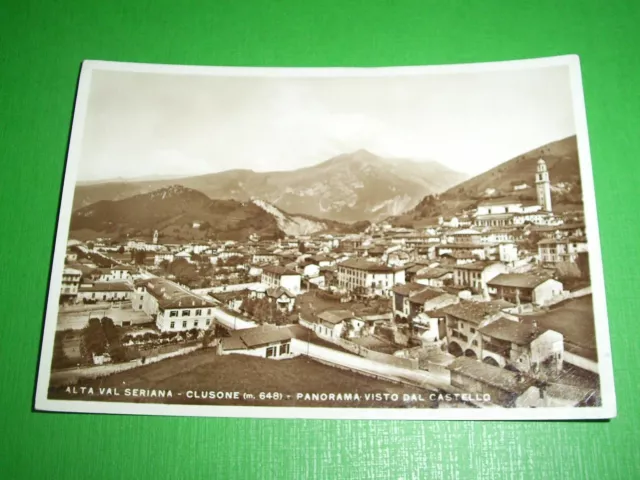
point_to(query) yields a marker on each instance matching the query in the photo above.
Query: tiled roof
(554, 241)
(478, 266)
(335, 316)
(172, 296)
(432, 273)
(517, 280)
(107, 287)
(277, 292)
(362, 264)
(263, 335)
(474, 312)
(494, 376)
(461, 245)
(280, 271)
(426, 295)
(512, 331)
(500, 202)
(408, 288)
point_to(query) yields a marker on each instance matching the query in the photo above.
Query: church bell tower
(543, 186)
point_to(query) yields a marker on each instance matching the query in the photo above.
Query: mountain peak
(173, 191)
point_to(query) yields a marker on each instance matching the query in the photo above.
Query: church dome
(541, 162)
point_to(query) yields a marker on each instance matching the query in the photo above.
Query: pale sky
(147, 124)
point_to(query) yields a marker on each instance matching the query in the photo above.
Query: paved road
(230, 321)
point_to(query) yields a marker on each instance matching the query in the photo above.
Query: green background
(41, 47)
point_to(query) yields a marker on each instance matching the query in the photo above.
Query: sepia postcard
(392, 243)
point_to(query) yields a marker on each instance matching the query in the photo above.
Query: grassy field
(204, 371)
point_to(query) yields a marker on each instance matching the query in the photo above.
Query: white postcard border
(608, 408)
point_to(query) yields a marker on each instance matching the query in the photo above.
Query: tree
(195, 333)
(121, 249)
(208, 336)
(110, 331)
(90, 245)
(583, 264)
(94, 341)
(139, 257)
(185, 272)
(302, 247)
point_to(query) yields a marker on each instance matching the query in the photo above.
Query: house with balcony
(364, 277)
(105, 292)
(71, 278)
(265, 257)
(465, 318)
(433, 276)
(556, 250)
(173, 307)
(283, 298)
(525, 347)
(476, 275)
(522, 288)
(274, 276)
(332, 324)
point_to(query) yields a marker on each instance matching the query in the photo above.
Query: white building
(70, 283)
(524, 288)
(174, 307)
(266, 341)
(553, 250)
(311, 270)
(361, 276)
(476, 275)
(275, 276)
(105, 292)
(508, 252)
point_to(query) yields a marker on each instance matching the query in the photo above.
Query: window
(208, 322)
(472, 330)
(209, 311)
(173, 313)
(284, 349)
(186, 313)
(198, 312)
(172, 325)
(195, 324)
(272, 351)
(474, 343)
(184, 324)
(141, 297)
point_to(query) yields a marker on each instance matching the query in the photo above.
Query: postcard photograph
(406, 242)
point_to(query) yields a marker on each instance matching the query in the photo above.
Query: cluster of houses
(478, 290)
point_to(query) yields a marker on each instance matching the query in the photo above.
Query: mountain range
(563, 166)
(348, 188)
(180, 213)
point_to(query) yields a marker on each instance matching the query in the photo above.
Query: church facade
(503, 212)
